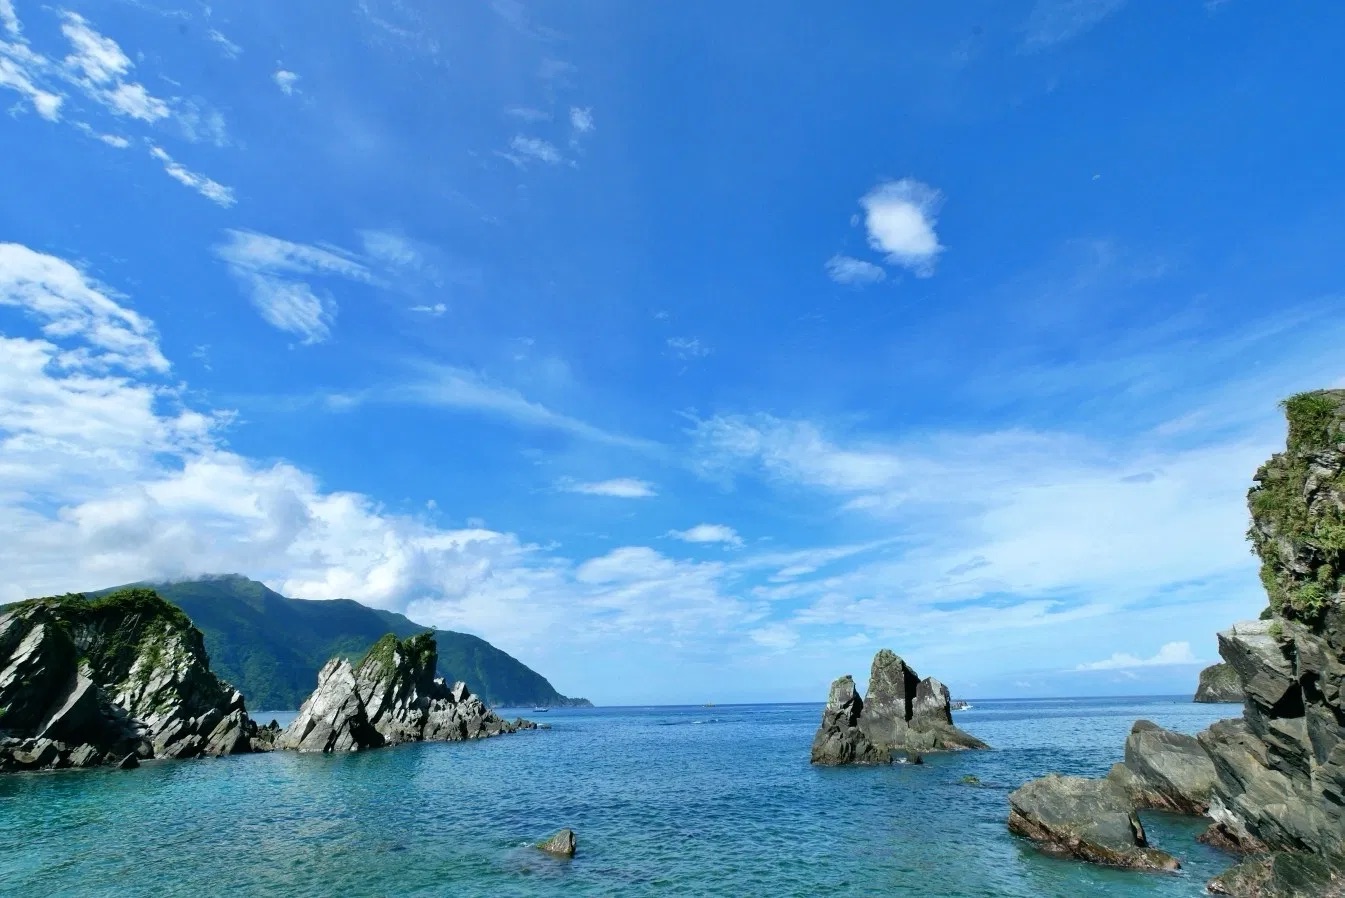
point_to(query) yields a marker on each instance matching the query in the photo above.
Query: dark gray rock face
(1219, 684)
(85, 683)
(1283, 875)
(391, 697)
(562, 844)
(1089, 819)
(900, 713)
(1165, 771)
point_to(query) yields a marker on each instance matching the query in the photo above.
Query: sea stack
(109, 681)
(391, 696)
(1219, 684)
(901, 713)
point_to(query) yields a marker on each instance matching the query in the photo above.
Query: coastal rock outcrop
(1165, 771)
(1219, 685)
(391, 696)
(562, 844)
(88, 682)
(1089, 819)
(900, 713)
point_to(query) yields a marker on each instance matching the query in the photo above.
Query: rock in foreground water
(1088, 819)
(391, 696)
(1165, 771)
(562, 844)
(901, 713)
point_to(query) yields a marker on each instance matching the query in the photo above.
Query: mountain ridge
(271, 647)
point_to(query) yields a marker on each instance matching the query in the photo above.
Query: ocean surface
(666, 801)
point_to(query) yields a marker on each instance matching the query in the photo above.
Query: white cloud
(900, 217)
(528, 114)
(98, 64)
(70, 305)
(775, 636)
(1170, 654)
(617, 488)
(687, 347)
(230, 49)
(46, 103)
(536, 149)
(286, 81)
(207, 187)
(849, 270)
(1056, 21)
(273, 270)
(581, 119)
(708, 533)
(9, 19)
(436, 310)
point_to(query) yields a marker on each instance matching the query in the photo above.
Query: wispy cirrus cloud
(1054, 22)
(208, 187)
(617, 488)
(523, 149)
(848, 270)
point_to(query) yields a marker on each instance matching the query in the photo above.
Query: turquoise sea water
(666, 801)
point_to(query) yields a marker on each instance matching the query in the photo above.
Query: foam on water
(730, 809)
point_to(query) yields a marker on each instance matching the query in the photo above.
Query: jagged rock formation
(1165, 771)
(85, 683)
(1283, 875)
(1219, 684)
(1089, 819)
(392, 696)
(900, 713)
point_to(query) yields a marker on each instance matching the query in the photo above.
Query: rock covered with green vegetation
(391, 696)
(901, 713)
(272, 647)
(1281, 768)
(1219, 684)
(89, 682)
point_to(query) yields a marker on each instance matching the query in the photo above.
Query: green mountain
(271, 647)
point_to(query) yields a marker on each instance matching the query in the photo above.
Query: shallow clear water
(688, 801)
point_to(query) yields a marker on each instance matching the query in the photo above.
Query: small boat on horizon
(540, 710)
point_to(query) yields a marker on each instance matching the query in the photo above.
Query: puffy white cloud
(286, 81)
(900, 217)
(849, 270)
(617, 488)
(1171, 653)
(708, 533)
(581, 119)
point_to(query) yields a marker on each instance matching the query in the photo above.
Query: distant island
(271, 647)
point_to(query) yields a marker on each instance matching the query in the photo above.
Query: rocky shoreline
(1271, 783)
(124, 678)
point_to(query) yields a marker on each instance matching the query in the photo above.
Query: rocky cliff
(391, 696)
(84, 683)
(901, 713)
(1219, 684)
(1281, 768)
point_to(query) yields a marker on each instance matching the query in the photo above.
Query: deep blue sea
(666, 801)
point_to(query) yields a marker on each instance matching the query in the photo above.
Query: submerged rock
(1219, 684)
(1088, 819)
(391, 697)
(86, 682)
(562, 844)
(900, 713)
(1165, 771)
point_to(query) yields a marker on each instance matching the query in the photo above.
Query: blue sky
(687, 354)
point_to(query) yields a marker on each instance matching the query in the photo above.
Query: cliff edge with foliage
(84, 683)
(1281, 768)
